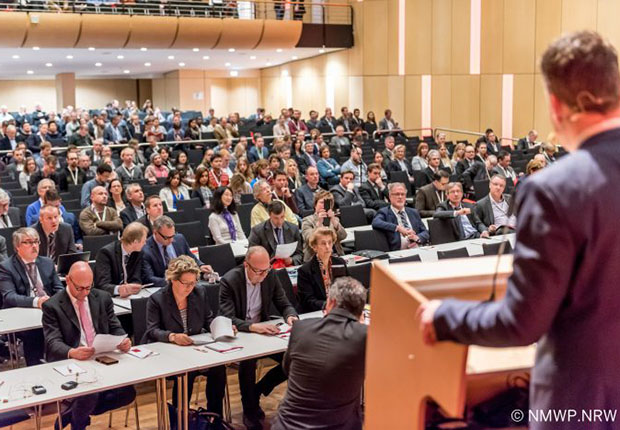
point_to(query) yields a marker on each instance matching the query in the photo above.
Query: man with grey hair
(9, 141)
(135, 209)
(323, 392)
(27, 280)
(32, 211)
(164, 245)
(262, 194)
(8, 218)
(529, 141)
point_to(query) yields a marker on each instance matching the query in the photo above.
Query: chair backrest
(453, 253)
(408, 259)
(247, 198)
(177, 216)
(11, 186)
(95, 243)
(193, 232)
(352, 216)
(403, 178)
(75, 190)
(194, 156)
(71, 204)
(213, 296)
(441, 231)
(19, 193)
(7, 233)
(220, 257)
(370, 239)
(202, 215)
(287, 286)
(23, 201)
(420, 178)
(493, 248)
(361, 272)
(481, 189)
(138, 317)
(14, 213)
(189, 206)
(245, 212)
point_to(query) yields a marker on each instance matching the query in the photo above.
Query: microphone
(500, 252)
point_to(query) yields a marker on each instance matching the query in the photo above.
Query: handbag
(199, 419)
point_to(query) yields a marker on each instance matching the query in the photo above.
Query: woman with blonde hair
(292, 172)
(419, 162)
(238, 185)
(244, 169)
(458, 154)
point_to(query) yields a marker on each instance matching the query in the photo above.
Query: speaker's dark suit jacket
(61, 325)
(233, 298)
(386, 221)
(153, 265)
(324, 393)
(310, 284)
(65, 242)
(109, 267)
(15, 285)
(262, 234)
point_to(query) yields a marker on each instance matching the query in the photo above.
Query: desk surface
(19, 319)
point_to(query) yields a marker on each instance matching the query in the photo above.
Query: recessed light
(253, 57)
(35, 48)
(321, 51)
(234, 73)
(231, 49)
(120, 57)
(91, 48)
(147, 64)
(227, 64)
(143, 49)
(48, 64)
(294, 57)
(181, 64)
(30, 72)
(268, 64)
(205, 57)
(15, 57)
(170, 57)
(69, 57)
(196, 49)
(279, 50)
(97, 64)
(126, 71)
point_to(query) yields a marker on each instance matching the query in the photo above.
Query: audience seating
(481, 189)
(247, 198)
(219, 257)
(453, 253)
(409, 259)
(189, 206)
(138, 318)
(7, 233)
(371, 239)
(193, 232)
(95, 243)
(404, 179)
(213, 296)
(493, 248)
(441, 231)
(287, 286)
(177, 217)
(245, 211)
(361, 272)
(352, 216)
(202, 215)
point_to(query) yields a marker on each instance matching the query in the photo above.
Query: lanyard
(128, 173)
(74, 177)
(97, 213)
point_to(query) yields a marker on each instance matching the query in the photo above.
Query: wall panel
(607, 20)
(579, 15)
(375, 38)
(418, 35)
(523, 105)
(441, 37)
(519, 36)
(490, 102)
(460, 36)
(441, 101)
(465, 102)
(542, 123)
(413, 102)
(548, 25)
(491, 36)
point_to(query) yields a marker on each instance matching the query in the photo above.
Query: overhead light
(126, 72)
(147, 64)
(196, 49)
(120, 57)
(253, 57)
(231, 49)
(143, 49)
(30, 72)
(181, 64)
(170, 57)
(294, 57)
(205, 57)
(35, 48)
(97, 64)
(279, 50)
(234, 73)
(268, 64)
(227, 64)
(69, 57)
(91, 48)
(321, 51)
(15, 57)
(48, 64)
(284, 73)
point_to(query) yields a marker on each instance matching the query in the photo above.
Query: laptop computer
(65, 261)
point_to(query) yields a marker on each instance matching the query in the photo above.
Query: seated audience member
(115, 132)
(239, 186)
(429, 196)
(178, 311)
(99, 219)
(90, 172)
(104, 174)
(56, 237)
(118, 266)
(262, 194)
(401, 225)
(217, 176)
(505, 169)
(71, 174)
(340, 146)
(323, 392)
(116, 193)
(356, 165)
(479, 171)
(128, 171)
(9, 141)
(434, 166)
(8, 217)
(308, 157)
(444, 156)
(95, 153)
(277, 231)
(549, 149)
(134, 208)
(71, 320)
(315, 276)
(200, 188)
(243, 167)
(420, 161)
(174, 191)
(48, 171)
(52, 198)
(322, 218)
(32, 211)
(258, 151)
(247, 295)
(153, 208)
(494, 209)
(224, 223)
(293, 175)
(399, 163)
(345, 194)
(27, 280)
(374, 193)
(466, 162)
(17, 164)
(529, 141)
(305, 194)
(261, 171)
(281, 190)
(465, 222)
(30, 168)
(388, 152)
(81, 137)
(388, 123)
(481, 151)
(164, 245)
(157, 169)
(329, 169)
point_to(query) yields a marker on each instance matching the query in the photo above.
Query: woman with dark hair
(329, 169)
(192, 132)
(30, 168)
(370, 126)
(243, 168)
(117, 195)
(200, 189)
(165, 158)
(183, 166)
(261, 171)
(174, 191)
(224, 221)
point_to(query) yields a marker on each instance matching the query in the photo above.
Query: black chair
(189, 206)
(352, 216)
(193, 232)
(245, 214)
(11, 186)
(138, 317)
(409, 259)
(202, 215)
(19, 193)
(481, 189)
(219, 257)
(72, 204)
(441, 231)
(403, 178)
(23, 200)
(453, 253)
(194, 156)
(14, 213)
(420, 178)
(177, 217)
(75, 190)
(493, 248)
(370, 239)
(361, 272)
(247, 198)
(287, 286)
(95, 243)
(213, 296)
(7, 233)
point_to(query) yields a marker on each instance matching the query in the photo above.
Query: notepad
(223, 347)
(141, 352)
(70, 369)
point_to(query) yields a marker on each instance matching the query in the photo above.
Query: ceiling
(45, 63)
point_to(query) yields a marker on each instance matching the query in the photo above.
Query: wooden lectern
(402, 372)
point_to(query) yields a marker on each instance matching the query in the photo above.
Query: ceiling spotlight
(91, 48)
(294, 57)
(120, 57)
(196, 49)
(231, 49)
(48, 64)
(268, 64)
(126, 72)
(170, 57)
(15, 57)
(205, 57)
(253, 57)
(30, 72)
(234, 73)
(227, 64)
(143, 49)
(97, 64)
(279, 50)
(35, 48)
(69, 57)
(321, 51)
(181, 64)
(147, 64)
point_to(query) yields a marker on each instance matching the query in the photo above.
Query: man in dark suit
(327, 393)
(400, 163)
(246, 296)
(71, 174)
(402, 226)
(528, 142)
(154, 208)
(305, 193)
(27, 281)
(277, 231)
(164, 245)
(465, 222)
(71, 320)
(258, 151)
(135, 128)
(135, 209)
(115, 132)
(466, 162)
(9, 141)
(429, 196)
(479, 171)
(34, 141)
(309, 158)
(494, 209)
(56, 236)
(9, 217)
(563, 292)
(374, 192)
(388, 152)
(345, 194)
(328, 121)
(118, 267)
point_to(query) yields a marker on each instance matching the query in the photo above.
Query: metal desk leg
(185, 402)
(179, 394)
(164, 392)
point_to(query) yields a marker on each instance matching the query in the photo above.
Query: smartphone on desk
(104, 359)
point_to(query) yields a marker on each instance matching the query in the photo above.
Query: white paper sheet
(222, 347)
(202, 339)
(221, 327)
(285, 250)
(107, 342)
(71, 369)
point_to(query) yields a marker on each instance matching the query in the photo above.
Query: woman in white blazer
(174, 191)
(224, 221)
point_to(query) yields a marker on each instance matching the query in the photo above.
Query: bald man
(99, 219)
(71, 320)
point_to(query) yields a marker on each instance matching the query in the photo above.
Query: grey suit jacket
(426, 200)
(345, 198)
(305, 200)
(262, 234)
(484, 210)
(563, 292)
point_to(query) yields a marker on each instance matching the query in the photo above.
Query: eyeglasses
(31, 242)
(188, 284)
(259, 271)
(164, 236)
(78, 288)
(398, 194)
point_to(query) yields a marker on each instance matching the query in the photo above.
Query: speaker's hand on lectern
(426, 315)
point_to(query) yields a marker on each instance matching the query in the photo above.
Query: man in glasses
(246, 295)
(27, 280)
(71, 320)
(164, 245)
